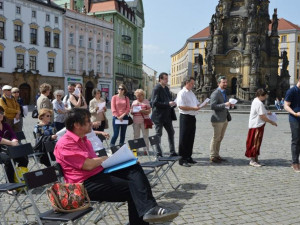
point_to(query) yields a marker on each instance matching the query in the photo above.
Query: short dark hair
(76, 115)
(187, 80)
(221, 78)
(161, 76)
(2, 110)
(261, 92)
(94, 92)
(72, 85)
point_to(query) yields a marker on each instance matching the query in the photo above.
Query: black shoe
(158, 155)
(173, 154)
(158, 214)
(184, 163)
(192, 161)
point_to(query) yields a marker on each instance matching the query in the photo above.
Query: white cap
(6, 87)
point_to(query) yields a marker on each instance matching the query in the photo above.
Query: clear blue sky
(169, 23)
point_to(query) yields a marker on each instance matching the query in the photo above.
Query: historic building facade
(88, 52)
(31, 45)
(149, 80)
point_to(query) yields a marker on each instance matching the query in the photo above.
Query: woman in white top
(97, 115)
(76, 98)
(59, 110)
(257, 120)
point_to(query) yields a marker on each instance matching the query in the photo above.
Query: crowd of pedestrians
(79, 119)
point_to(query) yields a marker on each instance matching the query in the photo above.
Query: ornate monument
(241, 48)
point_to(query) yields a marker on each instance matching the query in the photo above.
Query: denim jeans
(116, 128)
(295, 145)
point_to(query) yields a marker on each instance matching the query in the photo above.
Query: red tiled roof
(103, 6)
(284, 24)
(202, 34)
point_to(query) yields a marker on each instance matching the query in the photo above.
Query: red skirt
(254, 139)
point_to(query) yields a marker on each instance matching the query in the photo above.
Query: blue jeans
(117, 128)
(295, 145)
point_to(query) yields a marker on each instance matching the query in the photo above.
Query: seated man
(81, 165)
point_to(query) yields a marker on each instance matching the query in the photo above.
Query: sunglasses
(16, 92)
(122, 89)
(2, 113)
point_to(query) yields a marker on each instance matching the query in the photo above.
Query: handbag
(20, 170)
(35, 113)
(173, 114)
(68, 197)
(130, 120)
(228, 116)
(147, 122)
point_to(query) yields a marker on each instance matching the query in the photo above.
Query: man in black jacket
(162, 107)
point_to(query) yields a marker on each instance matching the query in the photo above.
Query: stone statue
(212, 26)
(218, 22)
(226, 8)
(252, 18)
(254, 59)
(208, 58)
(274, 23)
(285, 62)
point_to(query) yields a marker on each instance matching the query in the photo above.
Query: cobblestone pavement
(228, 193)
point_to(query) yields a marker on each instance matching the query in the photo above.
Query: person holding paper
(120, 107)
(219, 119)
(188, 106)
(292, 106)
(257, 121)
(76, 99)
(97, 109)
(11, 108)
(80, 164)
(140, 109)
(15, 92)
(162, 107)
(66, 99)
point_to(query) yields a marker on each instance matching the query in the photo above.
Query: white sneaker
(254, 164)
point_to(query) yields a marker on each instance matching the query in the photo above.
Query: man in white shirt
(188, 106)
(66, 100)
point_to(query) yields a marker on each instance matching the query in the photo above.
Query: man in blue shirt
(292, 105)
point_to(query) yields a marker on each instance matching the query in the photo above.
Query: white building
(31, 45)
(88, 52)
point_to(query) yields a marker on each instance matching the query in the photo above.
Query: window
(90, 42)
(18, 33)
(33, 14)
(71, 39)
(47, 38)
(1, 5)
(47, 17)
(90, 65)
(297, 73)
(106, 67)
(33, 36)
(56, 40)
(18, 9)
(98, 66)
(298, 56)
(283, 38)
(56, 19)
(2, 30)
(98, 44)
(71, 63)
(81, 64)
(106, 46)
(81, 41)
(196, 60)
(197, 45)
(298, 39)
(50, 65)
(20, 61)
(1, 59)
(32, 62)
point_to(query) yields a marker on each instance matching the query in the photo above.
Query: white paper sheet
(121, 122)
(124, 154)
(61, 133)
(272, 117)
(233, 101)
(95, 141)
(136, 108)
(101, 106)
(25, 110)
(76, 92)
(205, 101)
(16, 120)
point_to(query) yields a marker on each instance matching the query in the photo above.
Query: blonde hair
(139, 91)
(43, 112)
(44, 88)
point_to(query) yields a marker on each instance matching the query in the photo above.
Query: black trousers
(129, 184)
(170, 130)
(187, 129)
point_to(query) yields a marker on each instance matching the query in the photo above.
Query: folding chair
(21, 136)
(104, 140)
(157, 166)
(171, 160)
(41, 178)
(49, 146)
(13, 189)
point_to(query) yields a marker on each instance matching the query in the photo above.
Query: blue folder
(121, 166)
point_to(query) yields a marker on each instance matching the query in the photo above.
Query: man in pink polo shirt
(81, 165)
